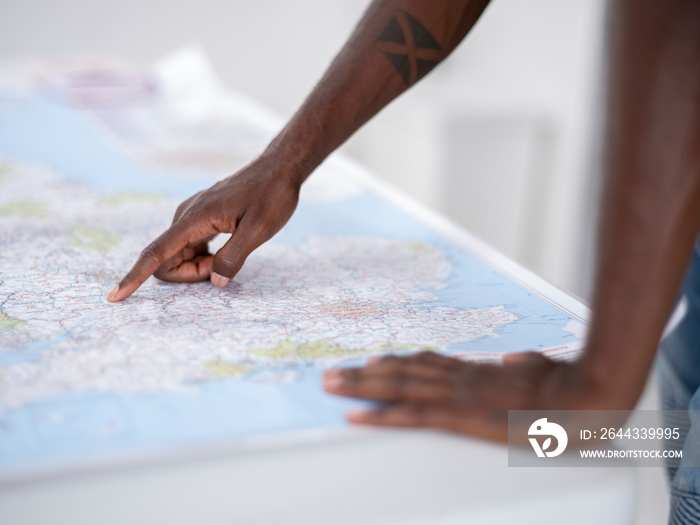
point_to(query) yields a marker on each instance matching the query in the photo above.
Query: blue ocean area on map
(88, 424)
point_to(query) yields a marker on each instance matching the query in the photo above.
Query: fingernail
(357, 414)
(334, 382)
(332, 378)
(219, 280)
(112, 296)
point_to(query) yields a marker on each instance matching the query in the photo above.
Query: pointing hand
(252, 205)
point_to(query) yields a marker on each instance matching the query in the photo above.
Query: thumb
(231, 256)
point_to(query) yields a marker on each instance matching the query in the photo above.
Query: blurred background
(503, 137)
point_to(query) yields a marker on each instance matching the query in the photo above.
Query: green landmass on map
(94, 238)
(24, 209)
(225, 369)
(121, 198)
(319, 349)
(10, 323)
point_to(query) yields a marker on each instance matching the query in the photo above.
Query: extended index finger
(165, 246)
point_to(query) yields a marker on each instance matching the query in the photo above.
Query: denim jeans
(678, 371)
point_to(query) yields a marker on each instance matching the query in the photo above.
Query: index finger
(165, 246)
(357, 382)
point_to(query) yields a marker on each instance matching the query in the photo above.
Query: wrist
(571, 386)
(300, 148)
(589, 390)
(287, 162)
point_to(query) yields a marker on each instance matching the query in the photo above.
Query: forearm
(651, 204)
(393, 46)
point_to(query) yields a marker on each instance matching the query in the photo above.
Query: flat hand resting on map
(432, 390)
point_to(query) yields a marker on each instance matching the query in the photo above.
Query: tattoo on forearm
(409, 46)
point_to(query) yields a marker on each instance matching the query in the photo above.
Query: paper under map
(350, 276)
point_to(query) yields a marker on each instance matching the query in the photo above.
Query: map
(351, 276)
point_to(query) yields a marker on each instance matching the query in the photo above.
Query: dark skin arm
(650, 218)
(393, 46)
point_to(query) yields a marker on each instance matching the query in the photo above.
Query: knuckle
(388, 360)
(153, 251)
(426, 356)
(179, 211)
(228, 263)
(351, 378)
(229, 256)
(186, 206)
